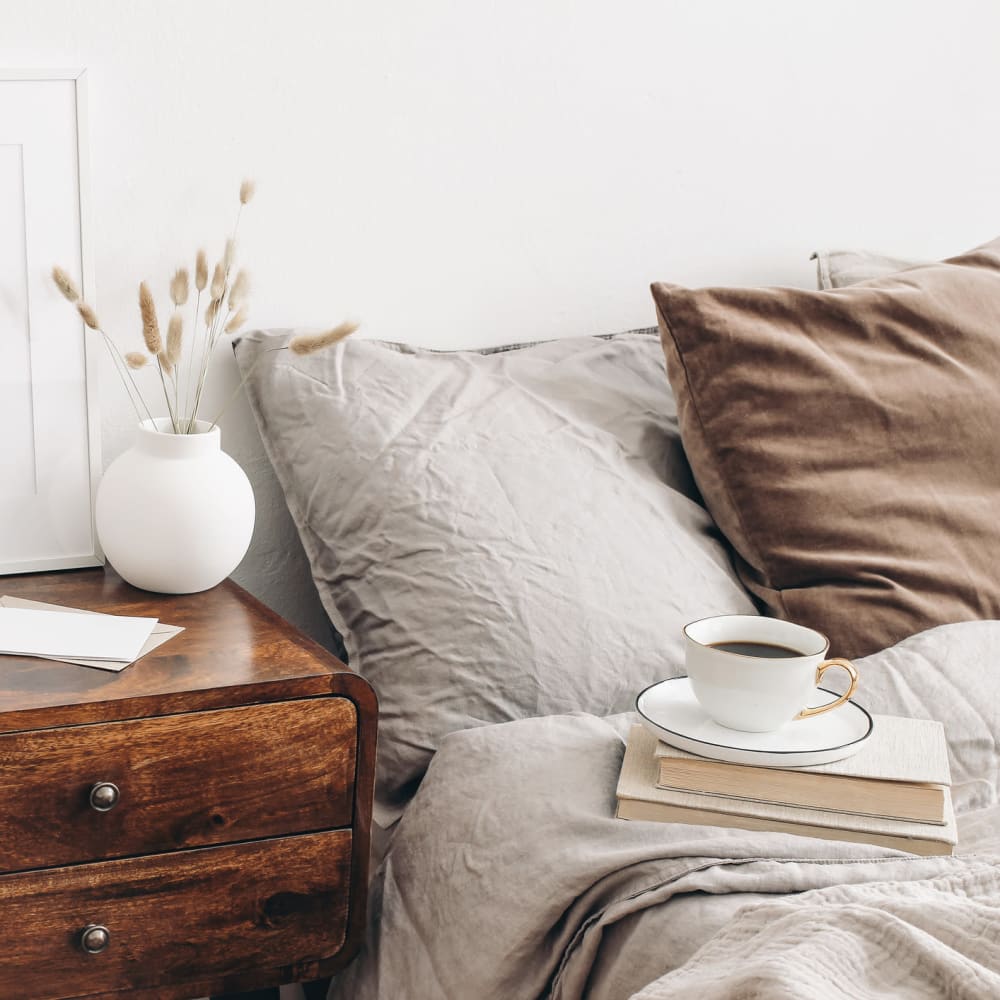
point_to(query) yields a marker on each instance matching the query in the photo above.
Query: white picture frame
(50, 444)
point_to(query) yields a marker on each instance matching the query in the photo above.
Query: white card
(161, 633)
(30, 632)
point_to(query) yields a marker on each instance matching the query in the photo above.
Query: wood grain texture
(176, 918)
(184, 780)
(235, 654)
(234, 651)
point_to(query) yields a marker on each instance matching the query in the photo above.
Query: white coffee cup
(766, 684)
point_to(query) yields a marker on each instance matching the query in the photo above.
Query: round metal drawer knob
(104, 796)
(95, 938)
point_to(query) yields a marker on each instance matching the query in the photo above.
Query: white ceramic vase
(174, 512)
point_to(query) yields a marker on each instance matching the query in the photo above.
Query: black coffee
(766, 649)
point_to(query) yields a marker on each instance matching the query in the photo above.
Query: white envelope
(160, 634)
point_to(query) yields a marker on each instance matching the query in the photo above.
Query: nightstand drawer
(84, 793)
(177, 918)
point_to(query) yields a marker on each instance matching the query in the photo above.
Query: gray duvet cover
(508, 875)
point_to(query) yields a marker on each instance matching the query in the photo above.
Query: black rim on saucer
(726, 746)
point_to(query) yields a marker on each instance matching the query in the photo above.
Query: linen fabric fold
(497, 534)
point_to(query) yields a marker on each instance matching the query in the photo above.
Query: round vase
(174, 512)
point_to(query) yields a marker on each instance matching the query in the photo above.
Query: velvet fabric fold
(845, 441)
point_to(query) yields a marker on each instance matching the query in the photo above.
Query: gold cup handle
(807, 713)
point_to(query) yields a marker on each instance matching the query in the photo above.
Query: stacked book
(894, 792)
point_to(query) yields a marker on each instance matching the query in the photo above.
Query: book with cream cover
(639, 798)
(901, 773)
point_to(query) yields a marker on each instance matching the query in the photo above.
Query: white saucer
(670, 710)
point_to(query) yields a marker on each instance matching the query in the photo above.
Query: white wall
(464, 172)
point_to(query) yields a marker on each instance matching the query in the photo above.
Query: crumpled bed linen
(509, 877)
(904, 939)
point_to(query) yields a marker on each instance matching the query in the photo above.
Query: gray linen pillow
(496, 534)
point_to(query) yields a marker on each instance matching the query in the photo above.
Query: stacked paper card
(75, 635)
(895, 792)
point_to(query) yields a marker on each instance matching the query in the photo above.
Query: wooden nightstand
(197, 824)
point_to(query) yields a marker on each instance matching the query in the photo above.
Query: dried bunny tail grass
(305, 344)
(180, 287)
(229, 255)
(65, 285)
(135, 359)
(150, 325)
(241, 286)
(211, 311)
(175, 335)
(201, 271)
(237, 321)
(218, 281)
(165, 363)
(247, 189)
(88, 314)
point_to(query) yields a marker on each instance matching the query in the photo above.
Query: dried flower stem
(174, 381)
(238, 319)
(207, 347)
(310, 343)
(218, 323)
(243, 381)
(226, 312)
(65, 285)
(69, 291)
(154, 344)
(125, 374)
(166, 396)
(150, 324)
(238, 290)
(201, 271)
(88, 315)
(211, 336)
(301, 345)
(179, 287)
(175, 336)
(194, 342)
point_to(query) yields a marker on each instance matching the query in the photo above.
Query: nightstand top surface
(233, 651)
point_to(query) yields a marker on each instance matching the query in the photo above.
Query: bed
(509, 542)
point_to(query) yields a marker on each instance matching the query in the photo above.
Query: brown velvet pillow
(847, 442)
